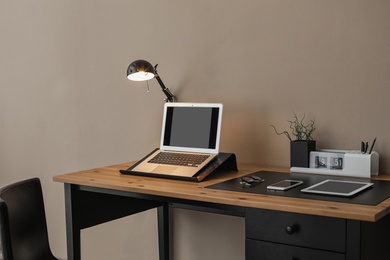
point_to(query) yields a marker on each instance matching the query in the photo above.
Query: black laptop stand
(224, 161)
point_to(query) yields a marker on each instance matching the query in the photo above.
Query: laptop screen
(193, 127)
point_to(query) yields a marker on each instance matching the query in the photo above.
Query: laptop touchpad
(164, 169)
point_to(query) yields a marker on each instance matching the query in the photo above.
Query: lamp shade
(140, 70)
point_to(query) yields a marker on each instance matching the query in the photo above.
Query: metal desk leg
(163, 231)
(72, 227)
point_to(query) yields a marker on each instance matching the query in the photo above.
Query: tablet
(338, 187)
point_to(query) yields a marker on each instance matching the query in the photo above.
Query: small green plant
(299, 130)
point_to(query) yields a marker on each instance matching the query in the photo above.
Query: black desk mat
(372, 196)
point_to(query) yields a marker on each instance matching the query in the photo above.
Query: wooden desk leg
(72, 227)
(163, 231)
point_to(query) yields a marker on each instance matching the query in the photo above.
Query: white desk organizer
(352, 164)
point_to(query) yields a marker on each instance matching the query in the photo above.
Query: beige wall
(66, 105)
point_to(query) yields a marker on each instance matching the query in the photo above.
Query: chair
(23, 222)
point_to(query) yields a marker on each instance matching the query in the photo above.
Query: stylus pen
(372, 146)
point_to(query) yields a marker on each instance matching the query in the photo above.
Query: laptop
(191, 134)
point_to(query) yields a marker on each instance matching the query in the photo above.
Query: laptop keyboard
(180, 159)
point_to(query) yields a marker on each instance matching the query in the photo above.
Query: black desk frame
(89, 206)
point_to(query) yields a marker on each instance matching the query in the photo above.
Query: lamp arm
(167, 92)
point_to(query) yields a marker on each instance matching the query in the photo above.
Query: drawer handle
(291, 229)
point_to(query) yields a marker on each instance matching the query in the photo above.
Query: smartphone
(284, 185)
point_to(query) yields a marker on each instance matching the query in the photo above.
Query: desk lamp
(141, 70)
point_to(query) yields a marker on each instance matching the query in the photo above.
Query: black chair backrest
(23, 222)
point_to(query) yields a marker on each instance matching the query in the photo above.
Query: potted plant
(301, 140)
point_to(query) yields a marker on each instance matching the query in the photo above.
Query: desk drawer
(296, 229)
(259, 250)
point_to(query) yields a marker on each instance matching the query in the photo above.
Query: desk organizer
(341, 163)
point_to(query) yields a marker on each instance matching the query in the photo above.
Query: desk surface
(109, 178)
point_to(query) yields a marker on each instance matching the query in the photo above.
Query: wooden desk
(98, 195)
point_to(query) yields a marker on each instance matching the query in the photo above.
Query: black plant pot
(300, 153)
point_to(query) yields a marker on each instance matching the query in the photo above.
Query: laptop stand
(223, 162)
